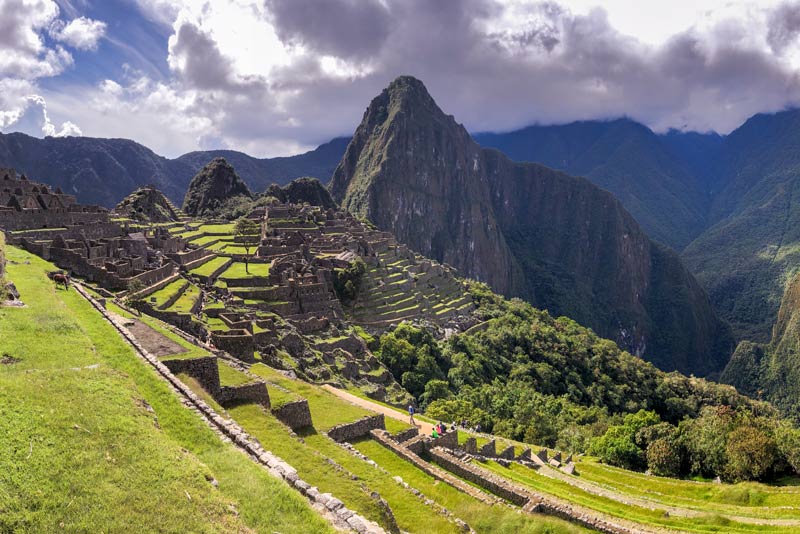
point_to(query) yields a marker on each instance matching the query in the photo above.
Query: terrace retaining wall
(357, 429)
(255, 392)
(203, 369)
(295, 415)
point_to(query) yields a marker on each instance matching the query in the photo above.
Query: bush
(347, 281)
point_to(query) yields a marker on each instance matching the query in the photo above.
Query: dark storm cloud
(343, 28)
(492, 65)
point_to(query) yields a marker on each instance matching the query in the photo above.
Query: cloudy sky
(277, 77)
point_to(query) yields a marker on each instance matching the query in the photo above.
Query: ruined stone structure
(27, 205)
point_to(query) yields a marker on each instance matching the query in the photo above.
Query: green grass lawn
(237, 270)
(746, 499)
(160, 297)
(226, 228)
(81, 450)
(186, 301)
(237, 249)
(209, 267)
(228, 376)
(711, 522)
(480, 516)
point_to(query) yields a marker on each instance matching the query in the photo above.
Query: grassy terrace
(192, 351)
(311, 459)
(710, 522)
(327, 410)
(237, 271)
(68, 410)
(479, 516)
(745, 499)
(186, 301)
(209, 267)
(228, 376)
(160, 297)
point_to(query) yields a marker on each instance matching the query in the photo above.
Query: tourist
(411, 414)
(434, 433)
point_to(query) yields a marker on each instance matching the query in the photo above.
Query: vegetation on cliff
(772, 370)
(534, 378)
(216, 191)
(300, 190)
(558, 241)
(147, 204)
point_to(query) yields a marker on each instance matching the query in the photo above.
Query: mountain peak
(212, 186)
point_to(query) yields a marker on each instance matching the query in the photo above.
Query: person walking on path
(411, 414)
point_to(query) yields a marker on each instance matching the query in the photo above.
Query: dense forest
(532, 377)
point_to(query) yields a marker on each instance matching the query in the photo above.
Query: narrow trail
(423, 426)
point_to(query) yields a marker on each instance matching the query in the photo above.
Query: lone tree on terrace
(248, 233)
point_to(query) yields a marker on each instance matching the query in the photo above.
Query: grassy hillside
(72, 395)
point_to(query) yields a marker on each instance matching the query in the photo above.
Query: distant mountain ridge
(556, 240)
(646, 172)
(104, 171)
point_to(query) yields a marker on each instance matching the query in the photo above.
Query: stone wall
(204, 370)
(238, 344)
(182, 258)
(295, 415)
(24, 220)
(405, 435)
(356, 429)
(480, 477)
(449, 440)
(255, 392)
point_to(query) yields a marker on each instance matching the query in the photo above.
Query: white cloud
(276, 76)
(26, 57)
(81, 33)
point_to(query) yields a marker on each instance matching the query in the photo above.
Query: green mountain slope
(772, 370)
(558, 241)
(103, 171)
(626, 158)
(753, 248)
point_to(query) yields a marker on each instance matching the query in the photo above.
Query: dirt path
(153, 342)
(423, 426)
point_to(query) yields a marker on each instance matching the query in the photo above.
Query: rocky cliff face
(302, 190)
(215, 184)
(413, 170)
(147, 204)
(556, 240)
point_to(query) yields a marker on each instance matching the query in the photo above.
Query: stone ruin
(26, 205)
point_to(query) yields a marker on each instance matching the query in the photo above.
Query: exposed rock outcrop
(556, 240)
(215, 184)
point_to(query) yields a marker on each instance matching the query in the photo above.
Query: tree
(751, 454)
(248, 233)
(664, 458)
